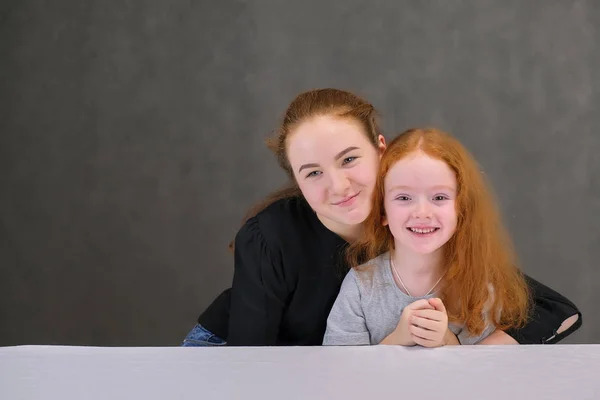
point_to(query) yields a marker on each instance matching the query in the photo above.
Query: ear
(381, 143)
(384, 221)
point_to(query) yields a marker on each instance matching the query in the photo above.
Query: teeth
(417, 230)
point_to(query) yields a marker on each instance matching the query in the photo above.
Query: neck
(419, 272)
(350, 233)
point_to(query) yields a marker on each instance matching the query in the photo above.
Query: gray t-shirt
(369, 306)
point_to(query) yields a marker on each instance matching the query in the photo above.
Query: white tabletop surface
(566, 372)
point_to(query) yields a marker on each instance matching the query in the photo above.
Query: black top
(288, 272)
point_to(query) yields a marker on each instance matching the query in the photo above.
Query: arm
(553, 317)
(216, 316)
(418, 313)
(451, 339)
(429, 327)
(258, 293)
(498, 337)
(490, 335)
(346, 325)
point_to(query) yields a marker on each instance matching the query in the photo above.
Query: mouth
(423, 231)
(346, 201)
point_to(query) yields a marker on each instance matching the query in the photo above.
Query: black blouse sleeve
(550, 310)
(259, 291)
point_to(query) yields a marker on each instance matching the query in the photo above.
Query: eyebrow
(341, 153)
(337, 157)
(304, 166)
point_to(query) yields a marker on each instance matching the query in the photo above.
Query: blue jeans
(201, 337)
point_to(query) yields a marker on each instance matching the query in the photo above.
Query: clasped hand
(424, 323)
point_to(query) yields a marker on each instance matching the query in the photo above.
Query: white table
(566, 372)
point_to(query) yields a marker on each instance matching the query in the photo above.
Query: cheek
(396, 217)
(312, 192)
(450, 216)
(365, 174)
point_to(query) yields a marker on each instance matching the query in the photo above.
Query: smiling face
(335, 166)
(419, 202)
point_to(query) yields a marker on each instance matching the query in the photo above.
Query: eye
(313, 174)
(348, 160)
(402, 198)
(440, 197)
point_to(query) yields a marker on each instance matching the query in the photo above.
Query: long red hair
(479, 253)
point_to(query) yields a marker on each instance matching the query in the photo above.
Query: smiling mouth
(423, 231)
(346, 200)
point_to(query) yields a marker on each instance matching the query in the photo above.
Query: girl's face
(336, 167)
(420, 194)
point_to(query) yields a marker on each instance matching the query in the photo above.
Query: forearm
(451, 339)
(244, 330)
(498, 337)
(556, 316)
(254, 317)
(389, 340)
(394, 339)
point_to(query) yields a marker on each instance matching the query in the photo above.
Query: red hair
(479, 253)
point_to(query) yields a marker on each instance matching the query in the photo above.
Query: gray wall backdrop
(131, 140)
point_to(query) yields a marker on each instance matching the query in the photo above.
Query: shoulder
(350, 283)
(372, 274)
(284, 213)
(280, 220)
(374, 268)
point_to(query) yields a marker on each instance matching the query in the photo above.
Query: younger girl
(441, 269)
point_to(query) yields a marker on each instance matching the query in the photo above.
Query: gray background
(131, 140)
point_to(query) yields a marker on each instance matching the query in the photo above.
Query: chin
(353, 217)
(425, 250)
(357, 216)
(349, 220)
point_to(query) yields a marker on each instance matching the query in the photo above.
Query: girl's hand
(429, 327)
(402, 335)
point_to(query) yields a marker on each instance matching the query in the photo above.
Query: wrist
(395, 338)
(450, 339)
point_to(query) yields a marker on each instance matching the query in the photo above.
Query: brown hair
(479, 253)
(318, 102)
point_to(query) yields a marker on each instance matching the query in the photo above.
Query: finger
(422, 332)
(423, 342)
(438, 304)
(425, 323)
(433, 315)
(420, 305)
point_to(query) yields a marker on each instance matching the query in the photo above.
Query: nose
(340, 184)
(422, 209)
